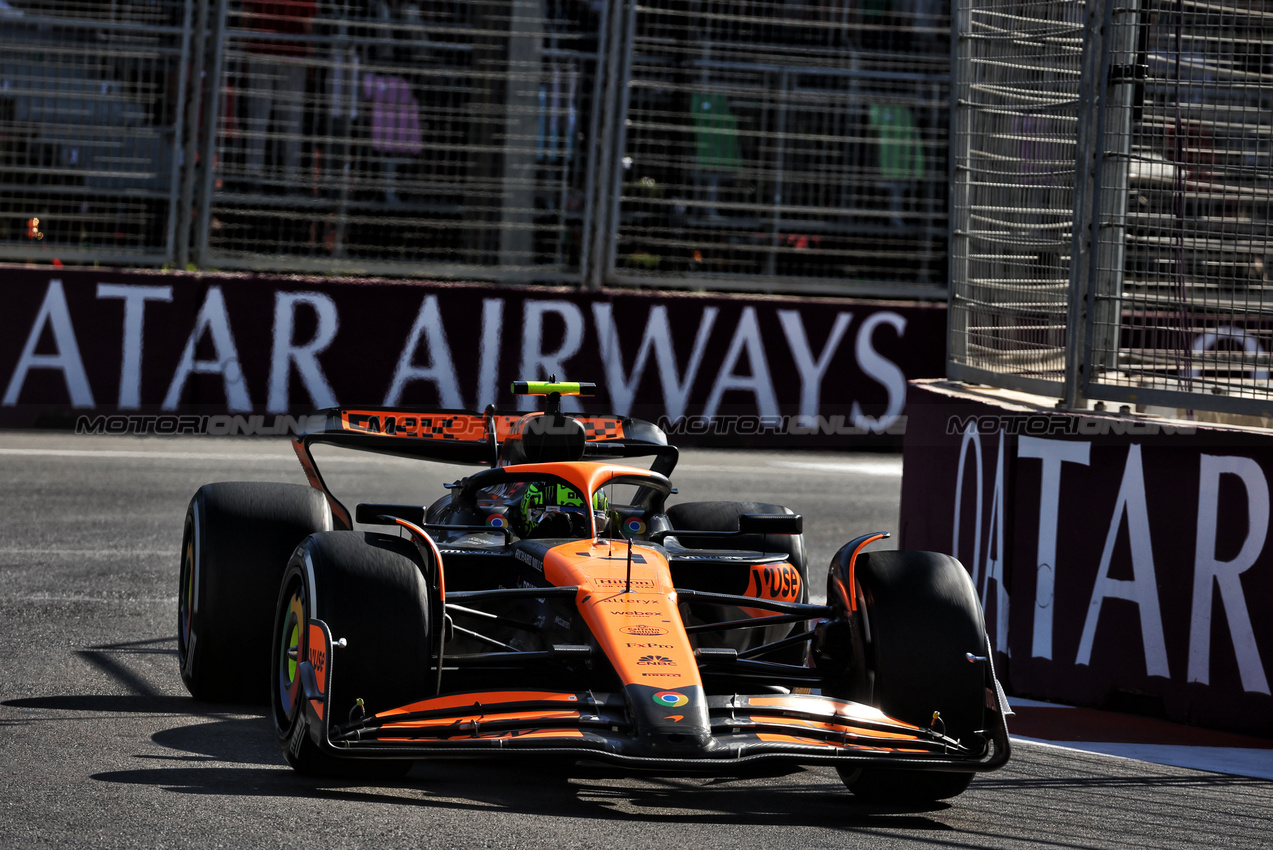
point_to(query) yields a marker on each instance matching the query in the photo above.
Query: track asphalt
(1143, 738)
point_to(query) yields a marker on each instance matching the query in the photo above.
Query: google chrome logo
(670, 699)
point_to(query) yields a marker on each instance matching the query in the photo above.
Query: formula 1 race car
(553, 605)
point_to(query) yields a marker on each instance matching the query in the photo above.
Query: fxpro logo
(1047, 425)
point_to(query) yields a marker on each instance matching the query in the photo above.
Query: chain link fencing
(1014, 147)
(747, 144)
(1111, 201)
(771, 141)
(91, 106)
(440, 138)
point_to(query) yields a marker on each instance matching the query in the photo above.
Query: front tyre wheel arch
(918, 617)
(369, 590)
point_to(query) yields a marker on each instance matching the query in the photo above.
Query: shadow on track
(231, 751)
(806, 799)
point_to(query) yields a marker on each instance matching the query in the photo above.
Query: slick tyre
(369, 590)
(921, 617)
(235, 546)
(723, 516)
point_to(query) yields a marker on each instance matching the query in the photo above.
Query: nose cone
(670, 723)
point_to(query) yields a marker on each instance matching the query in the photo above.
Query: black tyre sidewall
(922, 616)
(235, 546)
(369, 589)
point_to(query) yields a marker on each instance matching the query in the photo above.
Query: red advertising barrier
(119, 346)
(1121, 562)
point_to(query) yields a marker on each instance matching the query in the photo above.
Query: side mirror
(770, 524)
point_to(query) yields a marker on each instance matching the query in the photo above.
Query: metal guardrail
(1112, 201)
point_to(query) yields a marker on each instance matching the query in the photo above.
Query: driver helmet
(543, 499)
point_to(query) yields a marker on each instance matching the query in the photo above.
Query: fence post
(624, 57)
(1085, 222)
(211, 125)
(1117, 77)
(596, 154)
(525, 68)
(194, 81)
(608, 173)
(957, 250)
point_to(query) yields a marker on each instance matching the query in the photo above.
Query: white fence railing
(1112, 201)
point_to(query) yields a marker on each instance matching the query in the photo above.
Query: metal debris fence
(1112, 194)
(718, 144)
(90, 125)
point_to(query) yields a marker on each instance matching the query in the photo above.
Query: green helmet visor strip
(540, 499)
(523, 505)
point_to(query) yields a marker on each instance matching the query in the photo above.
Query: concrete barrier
(1122, 561)
(118, 346)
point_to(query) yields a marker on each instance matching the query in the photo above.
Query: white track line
(117, 454)
(89, 553)
(1257, 764)
(892, 468)
(109, 600)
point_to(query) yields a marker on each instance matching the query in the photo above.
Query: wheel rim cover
(288, 681)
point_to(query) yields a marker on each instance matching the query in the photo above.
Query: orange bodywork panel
(637, 624)
(480, 709)
(423, 426)
(461, 426)
(316, 653)
(526, 716)
(529, 734)
(780, 582)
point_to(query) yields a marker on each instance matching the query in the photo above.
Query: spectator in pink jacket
(395, 124)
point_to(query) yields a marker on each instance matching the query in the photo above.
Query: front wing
(591, 726)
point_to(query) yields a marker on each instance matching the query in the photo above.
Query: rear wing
(462, 437)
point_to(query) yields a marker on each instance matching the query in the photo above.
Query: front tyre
(369, 590)
(921, 617)
(235, 545)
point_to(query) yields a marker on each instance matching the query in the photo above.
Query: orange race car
(553, 605)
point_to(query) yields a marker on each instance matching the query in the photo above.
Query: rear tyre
(235, 545)
(723, 516)
(368, 588)
(921, 617)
